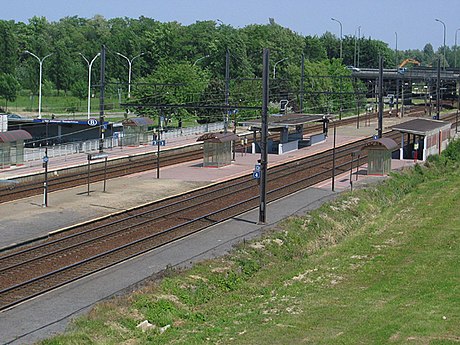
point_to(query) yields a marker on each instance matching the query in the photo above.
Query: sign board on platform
(159, 142)
(94, 156)
(3, 123)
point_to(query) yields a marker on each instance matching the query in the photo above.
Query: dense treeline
(190, 57)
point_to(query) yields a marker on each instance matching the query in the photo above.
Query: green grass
(379, 266)
(70, 107)
(61, 105)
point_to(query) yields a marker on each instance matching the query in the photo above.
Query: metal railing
(118, 140)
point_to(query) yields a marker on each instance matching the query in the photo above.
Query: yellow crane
(406, 61)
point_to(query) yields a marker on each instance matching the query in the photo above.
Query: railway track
(126, 166)
(85, 249)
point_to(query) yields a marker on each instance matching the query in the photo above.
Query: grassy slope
(378, 266)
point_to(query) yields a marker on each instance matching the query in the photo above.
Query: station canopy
(419, 126)
(16, 135)
(285, 121)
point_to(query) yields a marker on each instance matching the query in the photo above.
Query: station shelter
(217, 148)
(379, 154)
(286, 132)
(136, 130)
(12, 147)
(421, 138)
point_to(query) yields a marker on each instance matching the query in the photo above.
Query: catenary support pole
(264, 138)
(158, 142)
(302, 78)
(333, 159)
(380, 124)
(101, 101)
(45, 183)
(438, 90)
(227, 88)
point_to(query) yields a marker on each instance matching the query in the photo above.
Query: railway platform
(26, 219)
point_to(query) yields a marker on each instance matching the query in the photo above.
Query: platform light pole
(40, 61)
(274, 66)
(396, 50)
(340, 23)
(130, 63)
(444, 42)
(90, 64)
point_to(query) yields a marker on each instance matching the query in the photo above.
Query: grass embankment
(374, 267)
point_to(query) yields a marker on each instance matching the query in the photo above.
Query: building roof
(420, 126)
(16, 135)
(386, 143)
(218, 137)
(138, 121)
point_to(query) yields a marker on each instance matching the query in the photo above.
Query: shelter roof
(288, 120)
(218, 137)
(420, 126)
(16, 135)
(386, 143)
(139, 121)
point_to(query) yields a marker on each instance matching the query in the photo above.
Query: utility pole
(227, 88)
(341, 99)
(380, 126)
(101, 102)
(264, 138)
(397, 95)
(160, 116)
(45, 183)
(458, 108)
(438, 89)
(333, 158)
(302, 77)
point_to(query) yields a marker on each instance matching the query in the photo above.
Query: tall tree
(8, 47)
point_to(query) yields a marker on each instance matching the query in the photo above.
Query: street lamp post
(359, 38)
(455, 55)
(340, 23)
(90, 64)
(40, 61)
(444, 42)
(201, 58)
(130, 62)
(396, 50)
(274, 67)
(356, 46)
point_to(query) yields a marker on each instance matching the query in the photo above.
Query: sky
(408, 23)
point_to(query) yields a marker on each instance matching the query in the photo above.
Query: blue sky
(414, 21)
